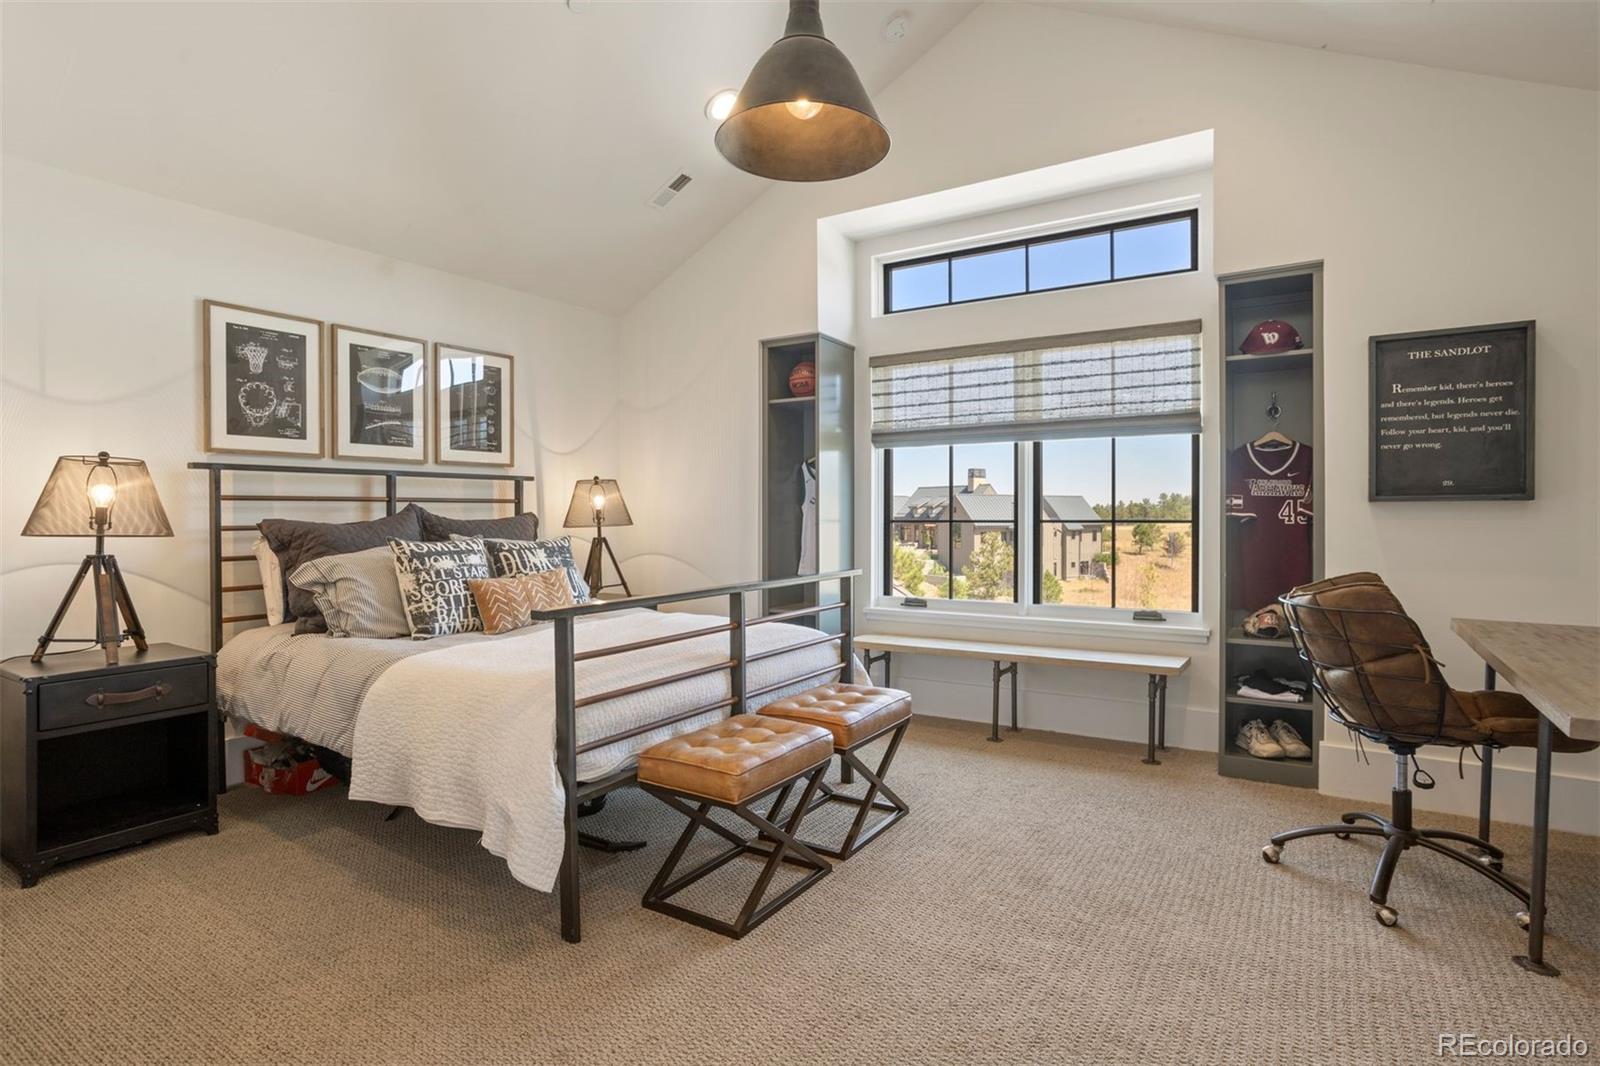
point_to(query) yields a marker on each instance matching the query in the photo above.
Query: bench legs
(785, 847)
(999, 672)
(1157, 737)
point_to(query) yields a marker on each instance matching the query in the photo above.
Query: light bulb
(803, 109)
(599, 501)
(102, 494)
(720, 106)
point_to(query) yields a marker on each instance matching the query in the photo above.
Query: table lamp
(100, 496)
(598, 502)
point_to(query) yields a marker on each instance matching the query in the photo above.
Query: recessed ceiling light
(578, 7)
(720, 106)
(896, 26)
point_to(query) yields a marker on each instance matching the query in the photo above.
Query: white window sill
(980, 625)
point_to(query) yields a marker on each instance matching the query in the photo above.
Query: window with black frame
(1117, 522)
(1136, 248)
(1103, 427)
(951, 522)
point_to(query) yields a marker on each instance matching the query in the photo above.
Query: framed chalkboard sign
(1452, 414)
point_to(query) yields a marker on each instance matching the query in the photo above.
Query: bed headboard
(223, 490)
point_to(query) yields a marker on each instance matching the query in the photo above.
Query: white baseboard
(1574, 796)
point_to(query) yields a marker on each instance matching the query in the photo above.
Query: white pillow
(271, 579)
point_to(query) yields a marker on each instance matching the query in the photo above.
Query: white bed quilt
(465, 736)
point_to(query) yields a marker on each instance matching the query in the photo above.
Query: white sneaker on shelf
(1255, 738)
(1289, 740)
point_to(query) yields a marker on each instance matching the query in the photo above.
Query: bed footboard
(569, 703)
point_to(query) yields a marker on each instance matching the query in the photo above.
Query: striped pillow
(508, 603)
(357, 592)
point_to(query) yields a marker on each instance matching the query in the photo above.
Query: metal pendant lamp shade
(803, 114)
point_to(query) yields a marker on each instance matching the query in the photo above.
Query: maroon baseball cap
(1271, 336)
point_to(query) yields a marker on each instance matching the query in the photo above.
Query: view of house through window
(952, 522)
(1115, 522)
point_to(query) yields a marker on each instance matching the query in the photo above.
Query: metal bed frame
(564, 624)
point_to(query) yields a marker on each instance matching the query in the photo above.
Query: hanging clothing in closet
(1269, 491)
(808, 518)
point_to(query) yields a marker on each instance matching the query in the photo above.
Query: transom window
(1138, 248)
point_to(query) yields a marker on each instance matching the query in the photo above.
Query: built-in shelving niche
(1294, 295)
(795, 429)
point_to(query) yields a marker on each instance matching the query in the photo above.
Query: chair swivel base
(1400, 836)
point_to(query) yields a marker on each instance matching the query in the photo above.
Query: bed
(508, 734)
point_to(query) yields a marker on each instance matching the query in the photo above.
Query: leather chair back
(1369, 660)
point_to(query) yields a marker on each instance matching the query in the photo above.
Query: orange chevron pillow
(508, 603)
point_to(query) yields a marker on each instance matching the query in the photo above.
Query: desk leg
(1534, 959)
(1486, 770)
(1161, 717)
(1150, 742)
(1014, 726)
(994, 728)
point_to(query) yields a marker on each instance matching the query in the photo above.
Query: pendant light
(803, 114)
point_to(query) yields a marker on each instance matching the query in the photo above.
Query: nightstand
(96, 757)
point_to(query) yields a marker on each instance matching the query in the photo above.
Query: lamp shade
(803, 114)
(82, 484)
(582, 511)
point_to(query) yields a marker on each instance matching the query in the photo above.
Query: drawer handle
(157, 691)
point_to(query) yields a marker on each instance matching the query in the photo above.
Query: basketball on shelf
(803, 380)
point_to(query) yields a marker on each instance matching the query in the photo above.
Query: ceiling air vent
(663, 196)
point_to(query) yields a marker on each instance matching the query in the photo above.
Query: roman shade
(1125, 382)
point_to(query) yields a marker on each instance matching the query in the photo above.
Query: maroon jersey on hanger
(1269, 496)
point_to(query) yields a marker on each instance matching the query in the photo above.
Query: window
(1139, 248)
(1117, 524)
(1053, 474)
(950, 521)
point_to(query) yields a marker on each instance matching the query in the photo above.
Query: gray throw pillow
(358, 593)
(434, 585)
(297, 542)
(514, 527)
(510, 558)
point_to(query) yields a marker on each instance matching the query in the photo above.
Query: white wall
(1434, 198)
(101, 341)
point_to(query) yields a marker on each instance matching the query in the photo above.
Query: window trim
(1025, 243)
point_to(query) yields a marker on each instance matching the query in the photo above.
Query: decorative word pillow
(512, 557)
(508, 603)
(433, 585)
(357, 593)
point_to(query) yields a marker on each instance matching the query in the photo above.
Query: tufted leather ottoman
(856, 715)
(730, 765)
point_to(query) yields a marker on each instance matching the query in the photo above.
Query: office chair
(1373, 668)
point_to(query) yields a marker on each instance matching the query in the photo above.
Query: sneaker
(1255, 738)
(1289, 740)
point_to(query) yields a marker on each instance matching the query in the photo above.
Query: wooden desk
(1558, 669)
(1157, 668)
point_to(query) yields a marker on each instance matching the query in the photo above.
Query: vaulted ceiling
(520, 143)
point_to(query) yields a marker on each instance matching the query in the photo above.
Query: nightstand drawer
(98, 699)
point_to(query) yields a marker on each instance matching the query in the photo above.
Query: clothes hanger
(1272, 436)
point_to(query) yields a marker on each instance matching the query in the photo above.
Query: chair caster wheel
(1341, 836)
(1524, 919)
(1271, 854)
(1483, 858)
(1386, 916)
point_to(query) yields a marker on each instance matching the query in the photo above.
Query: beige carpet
(1049, 900)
